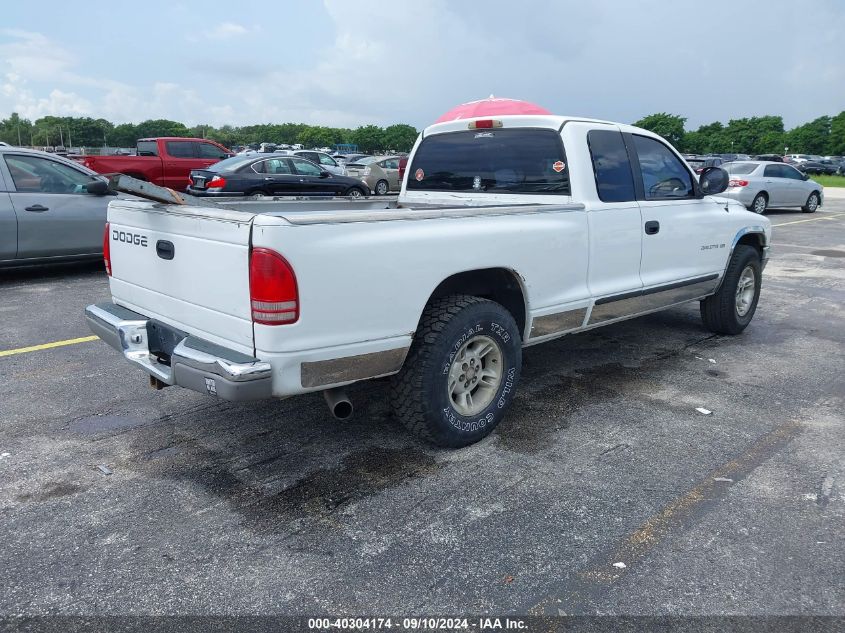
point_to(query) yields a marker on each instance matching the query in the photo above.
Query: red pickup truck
(164, 161)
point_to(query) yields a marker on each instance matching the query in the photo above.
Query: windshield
(739, 168)
(231, 164)
(496, 160)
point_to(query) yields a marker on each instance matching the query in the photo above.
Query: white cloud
(384, 62)
(223, 32)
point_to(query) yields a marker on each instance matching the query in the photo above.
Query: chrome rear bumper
(194, 363)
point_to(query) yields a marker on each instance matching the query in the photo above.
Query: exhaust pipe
(339, 403)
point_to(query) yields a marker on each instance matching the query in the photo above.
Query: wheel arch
(502, 285)
(754, 236)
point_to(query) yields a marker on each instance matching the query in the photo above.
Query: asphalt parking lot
(604, 491)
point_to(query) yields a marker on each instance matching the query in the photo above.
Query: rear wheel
(731, 309)
(382, 188)
(461, 371)
(355, 192)
(812, 203)
(761, 201)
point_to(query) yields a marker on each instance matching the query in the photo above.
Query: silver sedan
(51, 208)
(760, 185)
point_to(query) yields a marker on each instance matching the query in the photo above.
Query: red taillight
(190, 180)
(273, 293)
(738, 183)
(107, 250)
(217, 181)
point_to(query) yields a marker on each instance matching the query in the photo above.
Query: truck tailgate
(186, 266)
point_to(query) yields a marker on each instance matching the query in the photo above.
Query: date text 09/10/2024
(417, 624)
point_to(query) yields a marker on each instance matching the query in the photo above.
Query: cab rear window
(493, 161)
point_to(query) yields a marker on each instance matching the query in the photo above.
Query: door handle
(268, 178)
(652, 227)
(38, 208)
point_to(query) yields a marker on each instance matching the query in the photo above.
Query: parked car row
(760, 185)
(262, 175)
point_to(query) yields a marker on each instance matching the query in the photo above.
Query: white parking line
(827, 217)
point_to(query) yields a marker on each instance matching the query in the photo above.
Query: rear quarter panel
(363, 281)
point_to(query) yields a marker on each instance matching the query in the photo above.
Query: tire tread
(406, 397)
(717, 310)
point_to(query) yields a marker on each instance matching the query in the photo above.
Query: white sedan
(760, 185)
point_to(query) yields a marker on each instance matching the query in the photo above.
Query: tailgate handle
(165, 249)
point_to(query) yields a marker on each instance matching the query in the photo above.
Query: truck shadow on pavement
(289, 467)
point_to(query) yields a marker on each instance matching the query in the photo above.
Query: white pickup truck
(509, 231)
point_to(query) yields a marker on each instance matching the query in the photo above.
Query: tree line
(52, 131)
(755, 135)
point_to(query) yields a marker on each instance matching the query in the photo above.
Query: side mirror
(713, 180)
(324, 174)
(97, 187)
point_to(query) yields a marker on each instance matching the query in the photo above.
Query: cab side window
(664, 175)
(790, 172)
(207, 150)
(327, 160)
(33, 174)
(304, 168)
(276, 166)
(180, 149)
(612, 169)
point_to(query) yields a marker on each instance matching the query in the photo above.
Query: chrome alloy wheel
(475, 375)
(813, 202)
(760, 204)
(745, 289)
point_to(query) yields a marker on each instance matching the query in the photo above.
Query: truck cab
(163, 161)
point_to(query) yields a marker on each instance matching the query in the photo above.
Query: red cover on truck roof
(490, 107)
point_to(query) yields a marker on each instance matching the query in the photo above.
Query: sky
(345, 63)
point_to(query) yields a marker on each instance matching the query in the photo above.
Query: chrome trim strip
(642, 303)
(351, 368)
(316, 217)
(557, 322)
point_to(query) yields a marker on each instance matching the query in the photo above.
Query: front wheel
(461, 371)
(355, 192)
(731, 309)
(812, 203)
